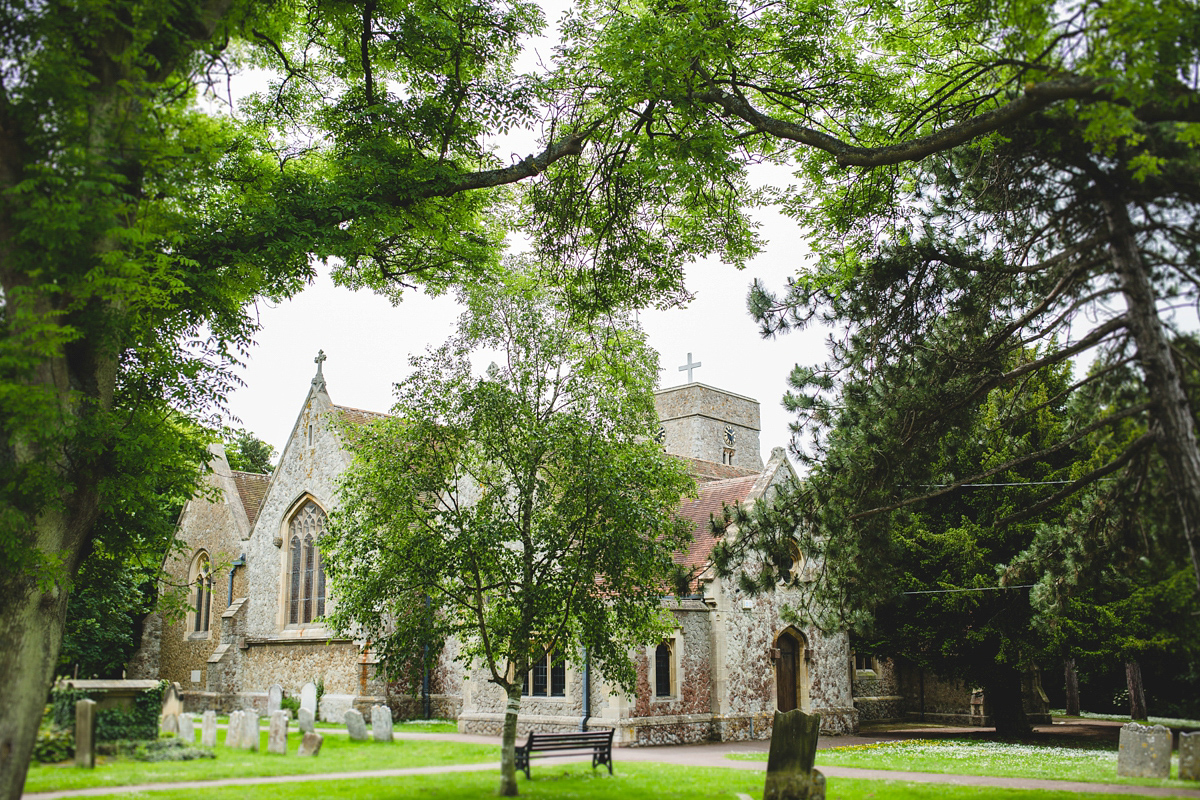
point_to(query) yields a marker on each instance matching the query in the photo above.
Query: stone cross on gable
(688, 367)
(319, 378)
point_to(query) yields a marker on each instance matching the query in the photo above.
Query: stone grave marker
(187, 728)
(305, 721)
(169, 724)
(277, 733)
(250, 733)
(1145, 752)
(85, 734)
(356, 726)
(172, 701)
(310, 745)
(381, 723)
(233, 731)
(790, 773)
(308, 697)
(274, 698)
(1189, 756)
(208, 729)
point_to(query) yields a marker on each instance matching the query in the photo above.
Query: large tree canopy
(526, 513)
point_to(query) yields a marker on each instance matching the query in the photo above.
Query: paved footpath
(698, 755)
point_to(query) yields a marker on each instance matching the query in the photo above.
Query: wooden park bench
(598, 743)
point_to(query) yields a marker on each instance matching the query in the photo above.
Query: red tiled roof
(358, 416)
(699, 510)
(705, 471)
(252, 489)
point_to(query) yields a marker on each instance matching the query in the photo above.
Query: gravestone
(1145, 752)
(172, 704)
(233, 730)
(208, 729)
(274, 698)
(790, 773)
(356, 726)
(305, 721)
(1189, 756)
(85, 734)
(169, 724)
(310, 745)
(187, 728)
(250, 733)
(277, 733)
(381, 723)
(308, 697)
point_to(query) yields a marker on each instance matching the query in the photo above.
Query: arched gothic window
(663, 683)
(202, 584)
(306, 579)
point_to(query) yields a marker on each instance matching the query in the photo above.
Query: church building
(251, 558)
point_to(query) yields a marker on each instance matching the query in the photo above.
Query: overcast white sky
(367, 341)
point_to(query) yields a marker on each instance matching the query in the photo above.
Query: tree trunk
(1002, 695)
(1137, 692)
(31, 631)
(508, 755)
(1172, 412)
(1072, 680)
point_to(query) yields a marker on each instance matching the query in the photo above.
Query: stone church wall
(214, 525)
(303, 470)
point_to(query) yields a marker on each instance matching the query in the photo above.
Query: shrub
(53, 745)
(291, 704)
(167, 749)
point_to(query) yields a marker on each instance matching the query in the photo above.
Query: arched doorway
(791, 671)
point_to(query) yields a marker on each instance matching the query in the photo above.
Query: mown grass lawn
(630, 781)
(974, 757)
(338, 754)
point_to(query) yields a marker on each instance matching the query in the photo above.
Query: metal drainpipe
(587, 689)
(241, 562)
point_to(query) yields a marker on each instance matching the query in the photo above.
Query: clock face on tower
(728, 436)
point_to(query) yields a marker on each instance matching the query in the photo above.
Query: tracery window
(202, 584)
(306, 578)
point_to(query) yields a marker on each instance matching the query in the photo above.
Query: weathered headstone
(169, 724)
(356, 726)
(790, 773)
(310, 745)
(308, 697)
(85, 733)
(305, 721)
(233, 730)
(274, 698)
(381, 723)
(1145, 752)
(277, 733)
(187, 728)
(208, 729)
(1189, 756)
(250, 733)
(172, 701)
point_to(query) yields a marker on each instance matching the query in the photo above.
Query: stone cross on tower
(688, 367)
(319, 379)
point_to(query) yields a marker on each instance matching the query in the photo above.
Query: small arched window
(663, 685)
(202, 583)
(306, 578)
